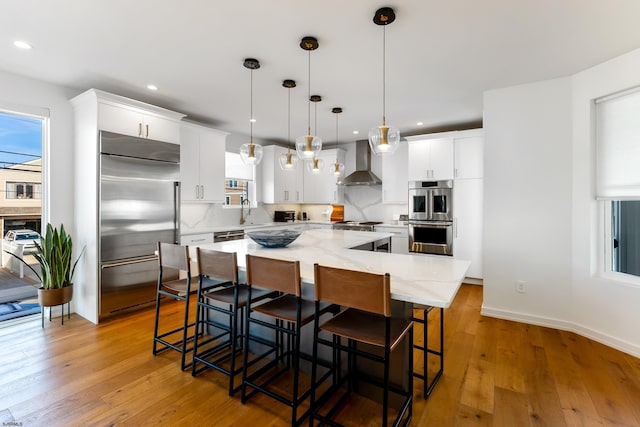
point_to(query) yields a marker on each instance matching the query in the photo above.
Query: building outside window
(20, 171)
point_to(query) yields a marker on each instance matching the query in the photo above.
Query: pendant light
(288, 161)
(316, 165)
(308, 146)
(337, 168)
(251, 154)
(384, 139)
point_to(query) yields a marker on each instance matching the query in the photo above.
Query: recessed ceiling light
(252, 120)
(152, 87)
(419, 123)
(22, 44)
(355, 132)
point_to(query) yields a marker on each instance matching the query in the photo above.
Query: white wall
(602, 308)
(541, 217)
(17, 92)
(527, 204)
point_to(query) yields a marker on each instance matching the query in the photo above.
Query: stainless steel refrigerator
(139, 206)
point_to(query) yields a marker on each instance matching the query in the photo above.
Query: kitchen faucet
(242, 203)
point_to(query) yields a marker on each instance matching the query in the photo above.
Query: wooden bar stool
(173, 259)
(290, 312)
(220, 292)
(366, 318)
(427, 386)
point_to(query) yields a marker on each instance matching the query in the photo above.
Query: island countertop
(421, 279)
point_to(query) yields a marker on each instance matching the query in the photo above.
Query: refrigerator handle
(176, 216)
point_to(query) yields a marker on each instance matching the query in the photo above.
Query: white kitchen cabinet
(129, 117)
(399, 238)
(431, 157)
(468, 149)
(278, 185)
(395, 176)
(202, 163)
(322, 187)
(467, 224)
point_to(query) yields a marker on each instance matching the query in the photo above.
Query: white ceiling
(441, 55)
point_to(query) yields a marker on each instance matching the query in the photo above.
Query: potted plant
(54, 254)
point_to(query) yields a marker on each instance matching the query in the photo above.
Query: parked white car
(26, 238)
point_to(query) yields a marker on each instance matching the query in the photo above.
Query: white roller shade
(234, 168)
(618, 146)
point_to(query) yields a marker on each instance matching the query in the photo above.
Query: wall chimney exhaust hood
(363, 174)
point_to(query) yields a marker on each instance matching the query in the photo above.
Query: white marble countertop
(422, 279)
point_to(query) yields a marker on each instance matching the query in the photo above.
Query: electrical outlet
(521, 286)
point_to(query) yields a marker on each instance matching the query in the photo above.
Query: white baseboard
(563, 325)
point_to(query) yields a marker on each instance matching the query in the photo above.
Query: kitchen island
(422, 280)
(419, 279)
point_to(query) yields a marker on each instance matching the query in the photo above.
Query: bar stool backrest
(174, 256)
(274, 274)
(355, 289)
(217, 264)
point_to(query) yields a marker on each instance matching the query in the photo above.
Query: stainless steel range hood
(362, 174)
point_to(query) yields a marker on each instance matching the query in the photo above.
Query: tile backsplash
(362, 203)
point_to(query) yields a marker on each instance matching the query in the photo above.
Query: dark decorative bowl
(273, 238)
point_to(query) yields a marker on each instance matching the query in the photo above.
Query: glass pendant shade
(384, 139)
(337, 169)
(315, 165)
(308, 146)
(288, 161)
(251, 154)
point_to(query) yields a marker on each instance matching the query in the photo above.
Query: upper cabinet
(468, 148)
(322, 187)
(430, 157)
(394, 175)
(129, 117)
(202, 163)
(278, 185)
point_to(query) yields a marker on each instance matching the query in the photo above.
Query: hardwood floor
(497, 373)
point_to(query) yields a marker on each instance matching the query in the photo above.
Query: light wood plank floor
(497, 373)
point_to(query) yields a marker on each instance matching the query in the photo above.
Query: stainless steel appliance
(431, 217)
(284, 216)
(362, 174)
(139, 206)
(431, 237)
(431, 200)
(225, 236)
(381, 245)
(355, 225)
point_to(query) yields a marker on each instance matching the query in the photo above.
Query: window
(236, 192)
(618, 182)
(22, 137)
(625, 232)
(23, 190)
(239, 183)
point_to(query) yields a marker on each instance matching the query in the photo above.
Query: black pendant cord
(384, 77)
(251, 110)
(309, 96)
(315, 118)
(289, 121)
(336, 138)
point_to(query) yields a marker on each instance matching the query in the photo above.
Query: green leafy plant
(54, 253)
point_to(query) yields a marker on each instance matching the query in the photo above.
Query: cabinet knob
(140, 129)
(147, 131)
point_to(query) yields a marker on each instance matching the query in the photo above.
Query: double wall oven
(431, 217)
